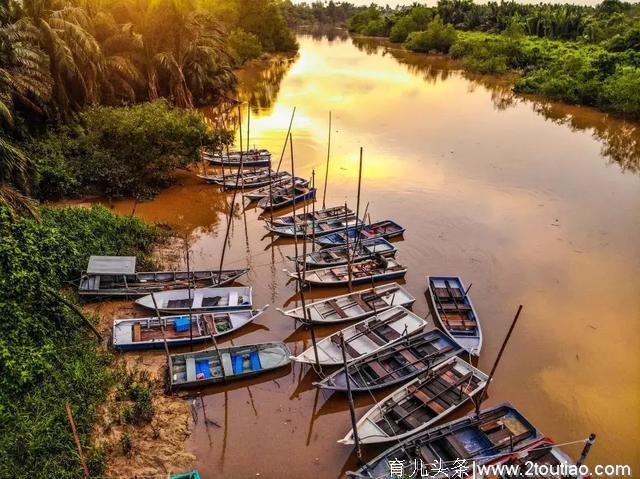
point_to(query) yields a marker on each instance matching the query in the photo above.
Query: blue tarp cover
(255, 361)
(237, 363)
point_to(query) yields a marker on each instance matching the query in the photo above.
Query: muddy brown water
(535, 203)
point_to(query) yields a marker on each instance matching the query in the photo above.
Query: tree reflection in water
(620, 138)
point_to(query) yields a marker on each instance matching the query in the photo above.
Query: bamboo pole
(313, 215)
(76, 438)
(186, 247)
(164, 337)
(585, 450)
(352, 409)
(284, 148)
(233, 202)
(326, 175)
(346, 236)
(483, 393)
(215, 345)
(301, 279)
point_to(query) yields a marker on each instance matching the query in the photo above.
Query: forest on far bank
(587, 55)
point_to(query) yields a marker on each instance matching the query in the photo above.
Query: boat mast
(326, 175)
(284, 148)
(352, 409)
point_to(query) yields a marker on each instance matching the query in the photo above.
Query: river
(535, 203)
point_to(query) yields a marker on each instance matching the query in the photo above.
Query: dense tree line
(580, 54)
(58, 57)
(329, 13)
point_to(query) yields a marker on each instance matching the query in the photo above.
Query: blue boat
(455, 312)
(475, 439)
(381, 229)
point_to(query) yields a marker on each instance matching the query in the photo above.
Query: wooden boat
(317, 216)
(419, 404)
(498, 430)
(375, 269)
(116, 276)
(274, 188)
(354, 306)
(202, 299)
(395, 363)
(312, 229)
(246, 179)
(381, 229)
(252, 157)
(455, 312)
(339, 255)
(543, 453)
(212, 365)
(147, 333)
(365, 337)
(287, 197)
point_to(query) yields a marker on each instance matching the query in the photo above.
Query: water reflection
(260, 81)
(620, 138)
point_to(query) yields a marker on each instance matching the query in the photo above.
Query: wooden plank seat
(361, 328)
(427, 455)
(136, 332)
(363, 305)
(353, 352)
(451, 306)
(379, 370)
(405, 416)
(337, 308)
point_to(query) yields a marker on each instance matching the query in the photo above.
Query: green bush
(47, 354)
(244, 46)
(436, 38)
(621, 91)
(125, 151)
(402, 28)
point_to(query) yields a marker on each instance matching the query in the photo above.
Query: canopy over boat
(367, 336)
(353, 306)
(455, 312)
(212, 365)
(115, 276)
(419, 404)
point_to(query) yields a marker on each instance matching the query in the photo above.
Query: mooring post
(585, 450)
(326, 175)
(186, 247)
(346, 236)
(313, 215)
(352, 409)
(483, 393)
(284, 148)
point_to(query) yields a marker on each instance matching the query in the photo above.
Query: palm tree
(63, 31)
(24, 79)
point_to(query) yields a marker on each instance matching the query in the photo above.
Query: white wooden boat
(364, 337)
(200, 299)
(393, 364)
(251, 157)
(317, 216)
(245, 178)
(455, 312)
(497, 431)
(339, 255)
(419, 404)
(275, 188)
(210, 366)
(312, 229)
(353, 306)
(147, 333)
(375, 269)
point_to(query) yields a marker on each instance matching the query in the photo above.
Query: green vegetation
(47, 354)
(331, 13)
(60, 57)
(577, 54)
(118, 151)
